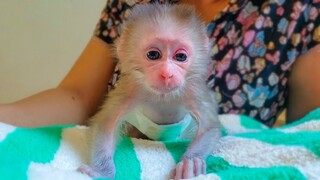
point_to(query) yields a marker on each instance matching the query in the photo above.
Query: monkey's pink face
(165, 63)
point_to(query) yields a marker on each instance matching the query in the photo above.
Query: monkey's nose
(166, 75)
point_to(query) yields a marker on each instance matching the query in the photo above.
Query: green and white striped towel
(248, 150)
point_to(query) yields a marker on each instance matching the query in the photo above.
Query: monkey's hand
(193, 162)
(106, 169)
(188, 168)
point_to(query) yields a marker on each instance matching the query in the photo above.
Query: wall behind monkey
(40, 41)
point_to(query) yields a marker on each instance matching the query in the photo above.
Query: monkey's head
(162, 47)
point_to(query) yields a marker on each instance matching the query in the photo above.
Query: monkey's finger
(188, 167)
(204, 167)
(173, 173)
(178, 171)
(84, 169)
(198, 166)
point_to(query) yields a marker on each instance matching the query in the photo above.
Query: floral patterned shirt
(254, 45)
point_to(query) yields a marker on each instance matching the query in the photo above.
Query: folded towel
(248, 150)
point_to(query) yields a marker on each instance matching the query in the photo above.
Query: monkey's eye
(153, 55)
(181, 57)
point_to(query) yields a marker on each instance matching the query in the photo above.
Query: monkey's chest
(146, 128)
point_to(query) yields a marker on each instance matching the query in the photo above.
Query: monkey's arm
(104, 129)
(74, 100)
(204, 110)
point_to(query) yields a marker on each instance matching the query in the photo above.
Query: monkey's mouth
(163, 89)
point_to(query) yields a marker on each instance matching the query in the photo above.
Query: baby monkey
(164, 53)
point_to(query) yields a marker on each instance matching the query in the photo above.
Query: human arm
(74, 100)
(303, 80)
(304, 85)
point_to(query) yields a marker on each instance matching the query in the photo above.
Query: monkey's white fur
(171, 24)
